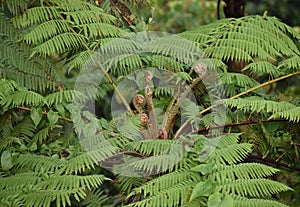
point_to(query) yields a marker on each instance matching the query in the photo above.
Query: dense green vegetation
(97, 109)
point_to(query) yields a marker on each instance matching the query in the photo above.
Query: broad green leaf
(61, 110)
(6, 160)
(203, 189)
(203, 168)
(227, 201)
(52, 117)
(216, 200)
(36, 115)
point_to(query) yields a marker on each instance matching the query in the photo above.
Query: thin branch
(44, 113)
(177, 105)
(239, 124)
(130, 22)
(268, 161)
(253, 89)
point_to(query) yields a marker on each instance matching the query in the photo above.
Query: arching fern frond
(246, 202)
(232, 154)
(21, 180)
(292, 114)
(255, 188)
(290, 63)
(255, 104)
(36, 73)
(39, 163)
(61, 44)
(166, 186)
(39, 197)
(148, 147)
(69, 182)
(246, 38)
(70, 24)
(65, 97)
(242, 171)
(261, 68)
(21, 98)
(95, 198)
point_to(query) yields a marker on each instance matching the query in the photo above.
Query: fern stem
(253, 89)
(176, 107)
(265, 84)
(44, 113)
(104, 71)
(116, 89)
(239, 124)
(268, 161)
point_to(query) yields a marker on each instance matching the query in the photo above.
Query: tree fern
(54, 152)
(36, 73)
(224, 177)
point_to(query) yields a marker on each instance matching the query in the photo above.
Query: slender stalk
(106, 75)
(239, 124)
(253, 89)
(44, 113)
(115, 88)
(268, 161)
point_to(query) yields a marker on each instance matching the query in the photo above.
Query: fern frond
(95, 198)
(60, 44)
(35, 16)
(257, 104)
(5, 142)
(65, 97)
(7, 29)
(255, 188)
(101, 30)
(129, 183)
(88, 160)
(39, 197)
(246, 38)
(25, 129)
(242, 171)
(176, 47)
(45, 31)
(71, 182)
(250, 48)
(81, 17)
(21, 98)
(261, 68)
(20, 180)
(292, 114)
(125, 64)
(15, 6)
(165, 190)
(232, 154)
(36, 73)
(38, 163)
(74, 5)
(228, 53)
(154, 164)
(226, 140)
(163, 91)
(80, 59)
(7, 87)
(148, 147)
(290, 63)
(40, 136)
(165, 62)
(246, 202)
(167, 198)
